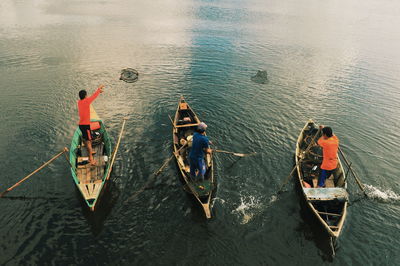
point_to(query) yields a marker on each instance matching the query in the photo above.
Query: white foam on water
(381, 195)
(250, 206)
(218, 199)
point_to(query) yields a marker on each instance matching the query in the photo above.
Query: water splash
(381, 195)
(250, 206)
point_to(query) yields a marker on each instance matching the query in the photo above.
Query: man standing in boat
(84, 119)
(330, 145)
(200, 145)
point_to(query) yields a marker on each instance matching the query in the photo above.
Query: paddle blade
(243, 154)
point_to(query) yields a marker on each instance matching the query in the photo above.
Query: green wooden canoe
(91, 180)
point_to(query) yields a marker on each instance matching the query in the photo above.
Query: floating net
(129, 75)
(261, 77)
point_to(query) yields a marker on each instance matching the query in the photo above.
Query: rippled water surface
(337, 62)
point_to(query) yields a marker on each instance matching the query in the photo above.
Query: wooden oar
(168, 160)
(235, 153)
(301, 159)
(116, 148)
(34, 172)
(172, 122)
(353, 172)
(154, 175)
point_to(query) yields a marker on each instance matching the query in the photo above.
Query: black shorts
(86, 132)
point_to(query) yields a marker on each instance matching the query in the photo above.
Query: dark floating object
(129, 75)
(261, 77)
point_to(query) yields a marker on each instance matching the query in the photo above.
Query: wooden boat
(329, 204)
(91, 180)
(184, 126)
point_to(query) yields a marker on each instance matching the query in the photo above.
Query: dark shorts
(86, 133)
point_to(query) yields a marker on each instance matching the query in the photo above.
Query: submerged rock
(261, 77)
(129, 75)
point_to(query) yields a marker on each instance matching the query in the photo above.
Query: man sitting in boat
(84, 119)
(330, 146)
(200, 145)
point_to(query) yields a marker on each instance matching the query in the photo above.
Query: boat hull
(328, 205)
(181, 133)
(93, 189)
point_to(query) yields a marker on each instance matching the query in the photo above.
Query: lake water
(337, 62)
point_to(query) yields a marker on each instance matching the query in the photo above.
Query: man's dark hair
(327, 131)
(82, 94)
(200, 130)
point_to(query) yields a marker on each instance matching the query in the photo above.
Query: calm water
(335, 61)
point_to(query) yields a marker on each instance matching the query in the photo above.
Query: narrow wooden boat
(91, 180)
(329, 204)
(184, 126)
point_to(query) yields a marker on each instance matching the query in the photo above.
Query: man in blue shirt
(200, 145)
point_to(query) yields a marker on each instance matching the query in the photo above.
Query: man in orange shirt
(330, 146)
(84, 119)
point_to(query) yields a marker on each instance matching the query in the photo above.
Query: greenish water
(335, 61)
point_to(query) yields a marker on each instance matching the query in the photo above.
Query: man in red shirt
(330, 146)
(84, 119)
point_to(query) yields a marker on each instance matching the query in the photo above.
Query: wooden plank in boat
(90, 189)
(82, 174)
(96, 188)
(88, 173)
(329, 213)
(187, 125)
(326, 193)
(84, 191)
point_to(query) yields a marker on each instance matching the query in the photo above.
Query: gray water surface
(337, 62)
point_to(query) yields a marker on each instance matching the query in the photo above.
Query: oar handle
(352, 171)
(114, 154)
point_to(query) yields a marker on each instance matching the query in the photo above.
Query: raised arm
(94, 95)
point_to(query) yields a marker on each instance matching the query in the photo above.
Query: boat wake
(250, 206)
(386, 196)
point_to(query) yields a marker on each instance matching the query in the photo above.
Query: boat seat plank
(329, 214)
(187, 125)
(329, 182)
(84, 190)
(82, 174)
(326, 193)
